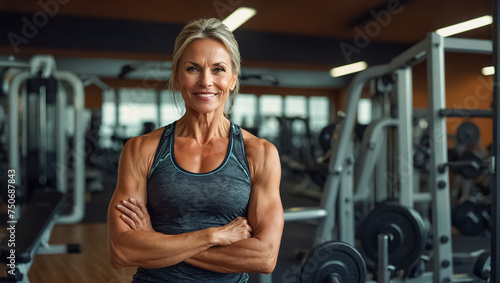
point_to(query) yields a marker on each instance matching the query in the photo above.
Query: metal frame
(439, 184)
(368, 156)
(404, 91)
(432, 49)
(47, 65)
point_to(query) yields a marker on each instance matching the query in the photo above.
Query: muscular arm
(149, 249)
(265, 215)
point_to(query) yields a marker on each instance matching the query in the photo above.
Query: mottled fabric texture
(180, 201)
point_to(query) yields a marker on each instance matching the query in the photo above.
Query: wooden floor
(92, 265)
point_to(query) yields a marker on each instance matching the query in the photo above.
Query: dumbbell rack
(339, 184)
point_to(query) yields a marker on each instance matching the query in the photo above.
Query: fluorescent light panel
(488, 71)
(239, 17)
(465, 26)
(348, 69)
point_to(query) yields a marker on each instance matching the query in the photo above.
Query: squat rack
(339, 182)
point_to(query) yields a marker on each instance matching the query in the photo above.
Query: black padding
(33, 222)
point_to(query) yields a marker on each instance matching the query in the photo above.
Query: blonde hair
(207, 29)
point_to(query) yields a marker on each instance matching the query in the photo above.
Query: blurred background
(121, 52)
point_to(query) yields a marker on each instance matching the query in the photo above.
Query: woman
(198, 200)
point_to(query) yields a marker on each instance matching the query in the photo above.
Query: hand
(135, 215)
(234, 231)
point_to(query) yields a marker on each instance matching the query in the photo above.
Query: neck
(202, 127)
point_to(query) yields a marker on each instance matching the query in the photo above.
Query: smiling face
(205, 76)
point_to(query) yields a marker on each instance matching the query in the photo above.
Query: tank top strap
(239, 152)
(163, 150)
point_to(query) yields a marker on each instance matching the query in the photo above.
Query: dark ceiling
(293, 34)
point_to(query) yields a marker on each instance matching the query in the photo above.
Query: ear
(233, 81)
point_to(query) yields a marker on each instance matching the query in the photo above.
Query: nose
(205, 79)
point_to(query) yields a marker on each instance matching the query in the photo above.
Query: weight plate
(406, 229)
(467, 218)
(325, 137)
(468, 133)
(332, 261)
(482, 267)
(470, 172)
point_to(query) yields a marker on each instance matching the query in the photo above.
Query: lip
(196, 93)
(205, 95)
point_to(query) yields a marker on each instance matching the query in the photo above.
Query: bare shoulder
(263, 157)
(141, 149)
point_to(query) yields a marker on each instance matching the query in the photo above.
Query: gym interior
(388, 169)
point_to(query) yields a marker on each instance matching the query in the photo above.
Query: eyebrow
(214, 64)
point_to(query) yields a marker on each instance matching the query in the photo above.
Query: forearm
(250, 255)
(154, 250)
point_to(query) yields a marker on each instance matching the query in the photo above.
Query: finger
(127, 211)
(133, 208)
(139, 204)
(124, 209)
(128, 221)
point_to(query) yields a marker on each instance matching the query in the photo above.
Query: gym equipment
(325, 137)
(495, 179)
(337, 199)
(291, 143)
(482, 267)
(470, 217)
(147, 127)
(32, 233)
(333, 262)
(468, 134)
(41, 146)
(43, 67)
(405, 230)
(45, 150)
(422, 153)
(475, 165)
(469, 165)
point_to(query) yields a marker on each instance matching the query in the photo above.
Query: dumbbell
(469, 165)
(470, 217)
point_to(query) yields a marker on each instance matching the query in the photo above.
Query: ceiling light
(488, 71)
(239, 17)
(465, 26)
(348, 69)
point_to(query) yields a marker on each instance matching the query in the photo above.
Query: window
(319, 113)
(270, 106)
(169, 111)
(296, 106)
(245, 110)
(136, 107)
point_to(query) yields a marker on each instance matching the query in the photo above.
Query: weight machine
(43, 67)
(339, 195)
(46, 159)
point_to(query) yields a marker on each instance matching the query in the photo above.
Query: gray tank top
(180, 201)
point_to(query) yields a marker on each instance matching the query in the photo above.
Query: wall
(466, 88)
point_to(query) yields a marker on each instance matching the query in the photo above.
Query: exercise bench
(32, 233)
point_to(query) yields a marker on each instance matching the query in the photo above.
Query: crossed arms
(244, 245)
